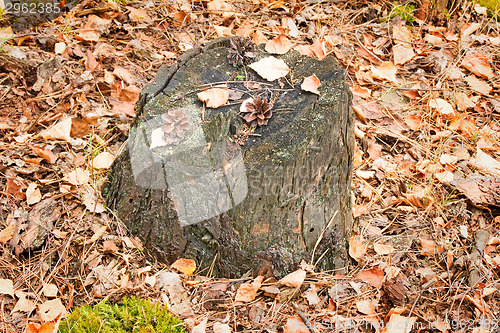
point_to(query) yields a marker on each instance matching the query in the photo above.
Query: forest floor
(426, 94)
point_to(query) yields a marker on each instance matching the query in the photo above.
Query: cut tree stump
(280, 196)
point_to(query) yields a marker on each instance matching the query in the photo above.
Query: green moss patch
(133, 315)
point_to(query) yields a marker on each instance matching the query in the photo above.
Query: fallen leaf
(401, 33)
(7, 233)
(50, 310)
(295, 325)
(478, 84)
(185, 266)
(59, 48)
(433, 39)
(463, 102)
(361, 91)
(413, 121)
(469, 28)
(318, 49)
(59, 131)
(288, 23)
(248, 290)
(103, 161)
(6, 287)
(480, 190)
(138, 15)
(214, 97)
(96, 235)
(357, 248)
(201, 327)
(50, 290)
(311, 84)
(385, 71)
(93, 28)
(278, 45)
(270, 68)
(221, 328)
(294, 279)
(486, 163)
(44, 153)
(429, 247)
(33, 194)
(311, 295)
(478, 64)
(365, 307)
(77, 177)
(402, 54)
(221, 7)
(373, 276)
(399, 324)
(124, 75)
(383, 249)
(444, 108)
(23, 304)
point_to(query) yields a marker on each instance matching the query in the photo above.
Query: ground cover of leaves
(426, 180)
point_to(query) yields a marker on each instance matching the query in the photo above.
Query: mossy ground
(131, 315)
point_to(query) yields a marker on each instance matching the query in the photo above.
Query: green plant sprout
(132, 315)
(406, 12)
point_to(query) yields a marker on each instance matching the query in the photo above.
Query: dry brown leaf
(221, 7)
(96, 235)
(357, 247)
(318, 48)
(399, 324)
(463, 102)
(103, 161)
(386, 71)
(288, 23)
(185, 266)
(365, 307)
(413, 121)
(304, 50)
(469, 28)
(138, 15)
(444, 108)
(361, 91)
(311, 84)
(373, 276)
(429, 247)
(50, 310)
(478, 84)
(433, 39)
(214, 97)
(248, 291)
(295, 325)
(401, 34)
(6, 287)
(486, 163)
(77, 177)
(33, 194)
(44, 153)
(23, 304)
(7, 233)
(124, 75)
(383, 249)
(50, 290)
(294, 279)
(259, 38)
(311, 295)
(402, 54)
(59, 131)
(478, 64)
(278, 45)
(221, 328)
(270, 68)
(93, 28)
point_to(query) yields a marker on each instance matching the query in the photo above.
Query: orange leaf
(278, 45)
(311, 84)
(248, 291)
(478, 64)
(44, 153)
(294, 279)
(374, 276)
(357, 248)
(214, 97)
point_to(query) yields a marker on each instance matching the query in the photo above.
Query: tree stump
(231, 198)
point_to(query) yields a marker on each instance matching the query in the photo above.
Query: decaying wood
(297, 168)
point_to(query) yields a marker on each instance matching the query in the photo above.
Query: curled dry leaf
(214, 97)
(295, 325)
(278, 45)
(486, 163)
(429, 247)
(385, 71)
(248, 290)
(270, 68)
(7, 233)
(294, 279)
(77, 177)
(44, 153)
(185, 266)
(478, 85)
(311, 84)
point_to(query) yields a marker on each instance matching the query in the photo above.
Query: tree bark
(285, 194)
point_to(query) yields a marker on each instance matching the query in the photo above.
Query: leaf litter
(426, 189)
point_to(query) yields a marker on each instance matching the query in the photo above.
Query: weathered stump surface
(297, 168)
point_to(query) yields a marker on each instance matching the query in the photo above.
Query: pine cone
(258, 111)
(241, 50)
(176, 126)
